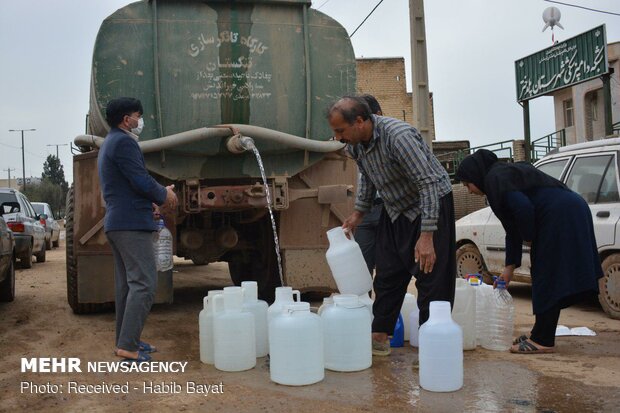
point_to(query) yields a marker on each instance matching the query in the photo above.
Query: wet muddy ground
(583, 376)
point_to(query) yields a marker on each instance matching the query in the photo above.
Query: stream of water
(273, 221)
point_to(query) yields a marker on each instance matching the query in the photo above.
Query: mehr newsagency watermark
(74, 365)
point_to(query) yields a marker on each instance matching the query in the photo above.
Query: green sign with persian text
(572, 61)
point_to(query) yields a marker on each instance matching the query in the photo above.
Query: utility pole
(419, 71)
(23, 157)
(57, 145)
(9, 171)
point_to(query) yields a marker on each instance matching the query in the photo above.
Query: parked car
(24, 222)
(591, 170)
(52, 228)
(7, 263)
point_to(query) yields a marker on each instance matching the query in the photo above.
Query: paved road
(583, 376)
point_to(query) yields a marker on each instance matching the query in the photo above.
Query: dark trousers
(135, 282)
(543, 332)
(396, 264)
(366, 235)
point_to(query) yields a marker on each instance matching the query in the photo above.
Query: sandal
(146, 347)
(381, 348)
(142, 357)
(520, 339)
(528, 347)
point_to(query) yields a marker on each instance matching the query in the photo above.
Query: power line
(324, 3)
(364, 21)
(582, 7)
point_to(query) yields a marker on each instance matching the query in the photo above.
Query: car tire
(41, 255)
(470, 261)
(72, 266)
(25, 261)
(609, 286)
(7, 287)
(48, 244)
(56, 244)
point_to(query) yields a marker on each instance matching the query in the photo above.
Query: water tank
(194, 63)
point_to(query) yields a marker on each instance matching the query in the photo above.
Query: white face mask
(138, 129)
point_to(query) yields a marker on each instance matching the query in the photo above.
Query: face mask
(138, 129)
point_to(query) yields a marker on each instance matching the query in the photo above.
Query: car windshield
(39, 208)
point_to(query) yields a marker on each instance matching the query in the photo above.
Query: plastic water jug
(414, 326)
(483, 291)
(284, 295)
(258, 308)
(464, 312)
(347, 334)
(398, 338)
(327, 302)
(409, 303)
(296, 346)
(205, 328)
(347, 264)
(368, 302)
(441, 350)
(163, 247)
(501, 319)
(235, 346)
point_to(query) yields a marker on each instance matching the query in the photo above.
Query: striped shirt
(398, 163)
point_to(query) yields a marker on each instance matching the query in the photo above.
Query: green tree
(53, 171)
(53, 187)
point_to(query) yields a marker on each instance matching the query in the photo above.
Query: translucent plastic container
(441, 350)
(368, 302)
(398, 338)
(296, 346)
(501, 319)
(347, 334)
(464, 312)
(409, 303)
(483, 292)
(347, 263)
(327, 302)
(163, 248)
(205, 328)
(235, 346)
(414, 325)
(258, 308)
(284, 295)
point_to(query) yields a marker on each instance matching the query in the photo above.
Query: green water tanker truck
(269, 68)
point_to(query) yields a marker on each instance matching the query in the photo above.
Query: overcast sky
(46, 50)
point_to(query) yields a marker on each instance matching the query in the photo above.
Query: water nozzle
(238, 144)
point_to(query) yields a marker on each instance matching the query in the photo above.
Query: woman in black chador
(534, 207)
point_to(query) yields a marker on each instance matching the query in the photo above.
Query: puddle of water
(273, 221)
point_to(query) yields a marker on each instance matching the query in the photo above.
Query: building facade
(579, 109)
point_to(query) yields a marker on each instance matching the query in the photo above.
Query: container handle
(217, 307)
(297, 294)
(349, 235)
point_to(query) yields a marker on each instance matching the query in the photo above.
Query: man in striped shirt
(416, 233)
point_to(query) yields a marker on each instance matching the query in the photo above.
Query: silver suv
(591, 170)
(52, 228)
(29, 233)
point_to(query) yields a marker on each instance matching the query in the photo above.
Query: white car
(590, 169)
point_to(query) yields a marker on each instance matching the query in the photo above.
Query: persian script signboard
(572, 61)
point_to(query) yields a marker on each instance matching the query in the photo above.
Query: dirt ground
(583, 376)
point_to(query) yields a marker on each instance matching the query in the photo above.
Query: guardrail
(451, 160)
(542, 146)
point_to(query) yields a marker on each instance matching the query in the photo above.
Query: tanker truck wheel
(259, 264)
(72, 268)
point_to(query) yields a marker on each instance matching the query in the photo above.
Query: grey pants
(135, 281)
